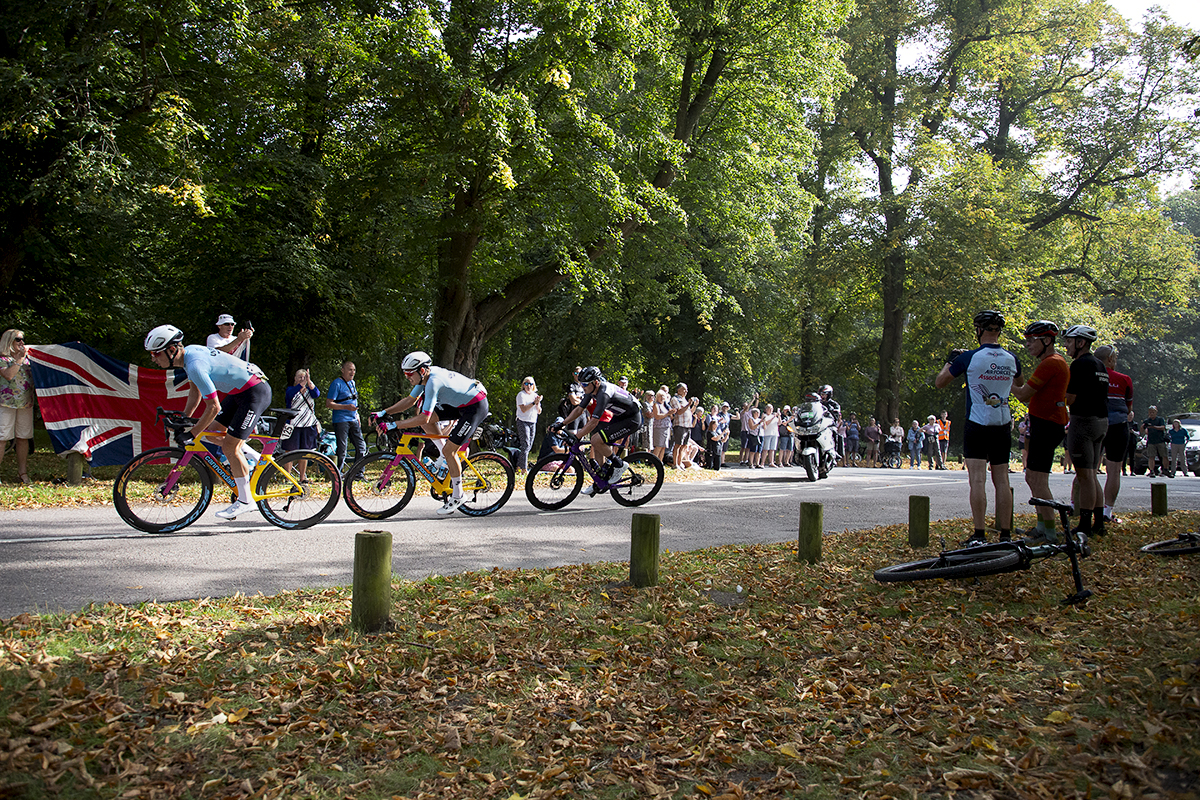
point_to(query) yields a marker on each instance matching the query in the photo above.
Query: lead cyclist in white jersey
(444, 395)
(213, 374)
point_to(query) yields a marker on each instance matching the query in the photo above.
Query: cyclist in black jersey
(615, 414)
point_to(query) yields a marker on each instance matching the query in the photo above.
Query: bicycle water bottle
(251, 456)
(427, 462)
(441, 468)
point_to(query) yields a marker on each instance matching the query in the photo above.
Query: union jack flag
(101, 407)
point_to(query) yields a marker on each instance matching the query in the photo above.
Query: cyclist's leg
(239, 416)
(1043, 440)
(467, 420)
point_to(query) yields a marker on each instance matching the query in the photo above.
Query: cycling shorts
(990, 443)
(241, 412)
(619, 427)
(1116, 441)
(1085, 440)
(1045, 435)
(467, 419)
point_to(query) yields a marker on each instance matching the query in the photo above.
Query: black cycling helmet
(1040, 329)
(1081, 332)
(988, 319)
(589, 374)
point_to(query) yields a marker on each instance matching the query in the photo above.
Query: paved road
(61, 559)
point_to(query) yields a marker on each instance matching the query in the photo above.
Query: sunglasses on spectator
(20, 339)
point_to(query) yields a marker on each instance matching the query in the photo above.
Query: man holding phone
(225, 340)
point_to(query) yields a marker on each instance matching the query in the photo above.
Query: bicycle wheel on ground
(374, 488)
(968, 563)
(299, 489)
(141, 497)
(487, 483)
(1187, 544)
(641, 481)
(551, 483)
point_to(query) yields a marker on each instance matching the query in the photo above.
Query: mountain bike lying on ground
(168, 488)
(380, 484)
(1183, 545)
(555, 480)
(982, 559)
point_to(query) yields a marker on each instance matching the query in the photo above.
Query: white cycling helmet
(1081, 332)
(415, 360)
(163, 337)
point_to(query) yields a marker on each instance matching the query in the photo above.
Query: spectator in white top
(681, 421)
(225, 340)
(770, 436)
(529, 406)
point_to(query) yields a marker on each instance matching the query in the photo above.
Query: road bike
(978, 560)
(1183, 545)
(168, 488)
(380, 484)
(556, 479)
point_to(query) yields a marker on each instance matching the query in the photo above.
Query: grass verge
(743, 673)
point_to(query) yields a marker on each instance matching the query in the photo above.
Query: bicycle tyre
(954, 564)
(646, 472)
(488, 479)
(551, 484)
(146, 509)
(370, 494)
(320, 495)
(1180, 546)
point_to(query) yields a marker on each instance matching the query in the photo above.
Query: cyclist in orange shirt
(1045, 393)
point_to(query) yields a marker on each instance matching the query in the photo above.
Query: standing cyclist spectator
(16, 399)
(943, 439)
(443, 396)
(1046, 395)
(214, 373)
(872, 433)
(301, 397)
(529, 406)
(1179, 437)
(1120, 416)
(1155, 429)
(1087, 399)
(342, 399)
(991, 372)
(225, 341)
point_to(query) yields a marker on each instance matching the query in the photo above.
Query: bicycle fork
(1075, 547)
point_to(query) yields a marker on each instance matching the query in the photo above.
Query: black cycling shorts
(1044, 438)
(241, 412)
(619, 427)
(1085, 440)
(1116, 441)
(990, 443)
(469, 418)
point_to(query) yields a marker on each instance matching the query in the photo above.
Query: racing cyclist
(614, 414)
(214, 374)
(444, 396)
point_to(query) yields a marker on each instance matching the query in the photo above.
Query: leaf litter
(810, 680)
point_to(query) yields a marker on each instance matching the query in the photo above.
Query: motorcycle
(814, 432)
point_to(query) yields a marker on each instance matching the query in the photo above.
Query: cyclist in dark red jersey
(1120, 414)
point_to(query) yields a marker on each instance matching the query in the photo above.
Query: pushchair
(892, 454)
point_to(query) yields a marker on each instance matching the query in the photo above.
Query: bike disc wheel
(1183, 546)
(642, 479)
(374, 488)
(290, 507)
(487, 483)
(955, 564)
(138, 491)
(551, 484)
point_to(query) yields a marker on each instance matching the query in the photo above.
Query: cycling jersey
(212, 371)
(613, 400)
(990, 371)
(447, 388)
(1089, 384)
(1050, 378)
(1120, 397)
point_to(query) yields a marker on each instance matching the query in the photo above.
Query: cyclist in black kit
(615, 414)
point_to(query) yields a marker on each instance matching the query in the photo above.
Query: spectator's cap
(225, 319)
(1152, 408)
(755, 411)
(623, 379)
(931, 416)
(724, 405)
(575, 388)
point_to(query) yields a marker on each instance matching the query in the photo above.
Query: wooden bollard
(75, 464)
(918, 520)
(812, 524)
(643, 550)
(371, 604)
(1158, 499)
